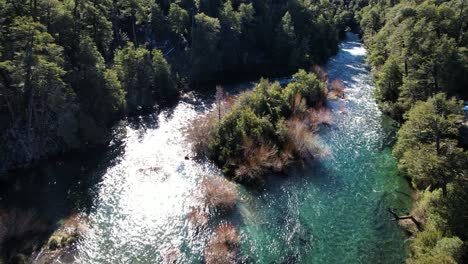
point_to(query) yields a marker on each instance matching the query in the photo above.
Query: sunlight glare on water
(143, 200)
(329, 211)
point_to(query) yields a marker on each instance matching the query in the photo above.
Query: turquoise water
(335, 210)
(138, 192)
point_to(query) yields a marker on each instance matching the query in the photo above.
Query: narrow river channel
(139, 192)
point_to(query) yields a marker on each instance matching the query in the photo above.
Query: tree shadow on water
(33, 201)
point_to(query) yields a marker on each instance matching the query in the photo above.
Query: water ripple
(329, 211)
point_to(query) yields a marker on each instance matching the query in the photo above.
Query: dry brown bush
(320, 116)
(201, 129)
(226, 234)
(222, 246)
(219, 254)
(197, 217)
(322, 152)
(259, 158)
(300, 137)
(230, 100)
(337, 90)
(256, 160)
(171, 255)
(218, 192)
(342, 110)
(320, 72)
(298, 105)
(199, 133)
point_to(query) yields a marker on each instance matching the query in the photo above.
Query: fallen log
(404, 217)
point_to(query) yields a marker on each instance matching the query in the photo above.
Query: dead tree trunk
(404, 217)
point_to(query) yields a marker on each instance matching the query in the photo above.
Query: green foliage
(308, 86)
(230, 22)
(158, 20)
(138, 11)
(452, 209)
(433, 244)
(33, 86)
(162, 75)
(205, 41)
(286, 37)
(438, 259)
(416, 49)
(424, 146)
(449, 246)
(389, 80)
(66, 69)
(257, 120)
(235, 126)
(100, 93)
(418, 54)
(145, 76)
(430, 246)
(211, 7)
(425, 119)
(178, 19)
(133, 66)
(94, 18)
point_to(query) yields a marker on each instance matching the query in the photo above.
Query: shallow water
(138, 192)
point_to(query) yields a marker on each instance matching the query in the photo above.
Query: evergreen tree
(428, 137)
(145, 76)
(33, 88)
(205, 38)
(178, 19)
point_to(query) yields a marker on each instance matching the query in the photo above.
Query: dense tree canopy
(58, 88)
(70, 68)
(69, 63)
(418, 52)
(258, 128)
(417, 49)
(145, 76)
(427, 146)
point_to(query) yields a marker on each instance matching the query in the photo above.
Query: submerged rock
(60, 246)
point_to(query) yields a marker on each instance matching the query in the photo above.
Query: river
(138, 192)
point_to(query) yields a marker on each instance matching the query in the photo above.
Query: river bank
(137, 195)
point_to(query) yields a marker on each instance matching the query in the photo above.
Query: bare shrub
(219, 254)
(298, 105)
(337, 90)
(342, 110)
(200, 133)
(171, 255)
(320, 72)
(257, 160)
(218, 192)
(222, 246)
(220, 101)
(197, 217)
(76, 222)
(300, 137)
(226, 234)
(320, 116)
(201, 129)
(322, 152)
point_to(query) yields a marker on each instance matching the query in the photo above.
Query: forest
(70, 70)
(419, 55)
